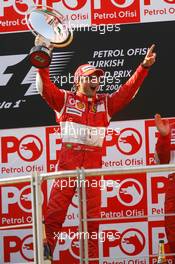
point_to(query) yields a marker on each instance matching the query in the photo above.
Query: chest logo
(80, 105)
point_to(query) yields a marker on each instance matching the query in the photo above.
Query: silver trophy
(53, 28)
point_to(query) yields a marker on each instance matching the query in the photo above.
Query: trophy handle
(64, 44)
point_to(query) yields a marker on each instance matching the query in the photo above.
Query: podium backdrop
(113, 35)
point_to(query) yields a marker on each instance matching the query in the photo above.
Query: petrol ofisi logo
(29, 148)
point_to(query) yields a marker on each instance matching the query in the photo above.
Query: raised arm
(163, 145)
(126, 93)
(54, 96)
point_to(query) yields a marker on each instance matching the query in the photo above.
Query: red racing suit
(165, 152)
(75, 112)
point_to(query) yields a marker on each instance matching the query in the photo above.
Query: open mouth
(93, 88)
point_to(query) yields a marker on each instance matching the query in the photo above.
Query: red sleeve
(54, 96)
(125, 94)
(163, 149)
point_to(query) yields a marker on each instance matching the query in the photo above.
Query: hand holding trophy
(51, 30)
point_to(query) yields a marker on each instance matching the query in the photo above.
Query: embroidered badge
(80, 105)
(94, 108)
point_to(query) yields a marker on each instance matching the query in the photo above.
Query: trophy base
(40, 57)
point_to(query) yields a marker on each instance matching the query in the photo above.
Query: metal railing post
(37, 218)
(84, 213)
(33, 194)
(80, 228)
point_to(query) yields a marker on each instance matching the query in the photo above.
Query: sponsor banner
(22, 151)
(12, 13)
(156, 233)
(16, 246)
(156, 187)
(129, 198)
(53, 147)
(121, 242)
(16, 204)
(113, 12)
(78, 13)
(125, 197)
(153, 10)
(22, 106)
(67, 249)
(124, 145)
(124, 243)
(88, 13)
(128, 243)
(151, 135)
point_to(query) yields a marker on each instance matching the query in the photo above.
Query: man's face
(88, 85)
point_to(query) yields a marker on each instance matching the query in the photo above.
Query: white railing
(36, 179)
